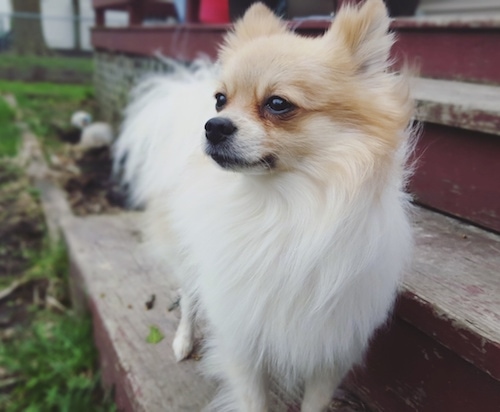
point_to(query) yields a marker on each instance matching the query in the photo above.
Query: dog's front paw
(182, 345)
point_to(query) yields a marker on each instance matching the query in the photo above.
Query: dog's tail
(161, 108)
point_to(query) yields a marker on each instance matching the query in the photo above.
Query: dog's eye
(278, 105)
(221, 101)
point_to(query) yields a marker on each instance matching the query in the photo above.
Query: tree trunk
(27, 30)
(76, 24)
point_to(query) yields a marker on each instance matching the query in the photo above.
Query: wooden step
(442, 351)
(464, 49)
(468, 106)
(457, 155)
(112, 276)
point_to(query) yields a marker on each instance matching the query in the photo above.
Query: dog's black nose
(218, 129)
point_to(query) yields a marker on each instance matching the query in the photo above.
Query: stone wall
(115, 74)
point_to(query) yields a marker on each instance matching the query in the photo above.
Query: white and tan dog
(279, 203)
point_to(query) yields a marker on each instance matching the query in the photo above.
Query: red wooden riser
(458, 171)
(407, 371)
(466, 51)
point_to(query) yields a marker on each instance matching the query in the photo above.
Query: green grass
(50, 363)
(47, 104)
(83, 65)
(54, 364)
(9, 132)
(73, 92)
(53, 361)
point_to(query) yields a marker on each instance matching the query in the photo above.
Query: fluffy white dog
(279, 203)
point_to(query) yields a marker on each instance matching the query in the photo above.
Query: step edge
(452, 333)
(452, 103)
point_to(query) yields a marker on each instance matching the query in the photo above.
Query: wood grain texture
(457, 171)
(408, 371)
(450, 297)
(452, 291)
(441, 352)
(118, 280)
(458, 104)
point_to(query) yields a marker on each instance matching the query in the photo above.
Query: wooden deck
(112, 277)
(457, 273)
(451, 294)
(117, 281)
(457, 104)
(455, 49)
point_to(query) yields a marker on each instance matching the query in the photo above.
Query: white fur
(292, 270)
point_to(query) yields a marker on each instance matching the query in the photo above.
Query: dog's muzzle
(220, 133)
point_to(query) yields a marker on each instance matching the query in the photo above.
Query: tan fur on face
(338, 82)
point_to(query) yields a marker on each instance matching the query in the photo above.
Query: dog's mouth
(233, 162)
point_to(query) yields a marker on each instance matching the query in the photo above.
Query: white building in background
(57, 22)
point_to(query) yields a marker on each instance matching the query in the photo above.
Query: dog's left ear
(258, 21)
(364, 31)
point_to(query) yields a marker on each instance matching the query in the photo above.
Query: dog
(273, 183)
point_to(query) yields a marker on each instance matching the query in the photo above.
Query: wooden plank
(115, 278)
(457, 172)
(182, 42)
(452, 291)
(118, 280)
(52, 197)
(453, 53)
(458, 49)
(111, 4)
(406, 370)
(455, 273)
(458, 104)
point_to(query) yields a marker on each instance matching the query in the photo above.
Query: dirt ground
(21, 237)
(86, 178)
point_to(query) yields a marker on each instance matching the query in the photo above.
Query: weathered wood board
(409, 371)
(458, 104)
(452, 291)
(118, 281)
(451, 294)
(457, 171)
(441, 351)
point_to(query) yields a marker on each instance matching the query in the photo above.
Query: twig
(13, 286)
(5, 383)
(52, 302)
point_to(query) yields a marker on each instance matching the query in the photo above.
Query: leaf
(155, 336)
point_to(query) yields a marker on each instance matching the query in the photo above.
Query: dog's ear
(364, 32)
(258, 21)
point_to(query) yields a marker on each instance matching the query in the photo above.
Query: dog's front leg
(318, 391)
(184, 336)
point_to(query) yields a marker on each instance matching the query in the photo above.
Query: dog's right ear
(258, 21)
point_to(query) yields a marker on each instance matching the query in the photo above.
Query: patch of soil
(22, 230)
(86, 177)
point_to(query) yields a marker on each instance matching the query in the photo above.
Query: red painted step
(442, 351)
(112, 275)
(447, 48)
(457, 155)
